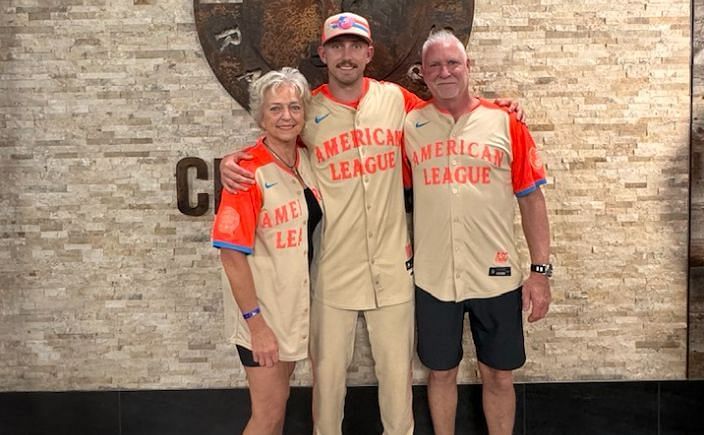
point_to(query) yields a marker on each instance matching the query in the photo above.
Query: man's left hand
(536, 296)
(512, 106)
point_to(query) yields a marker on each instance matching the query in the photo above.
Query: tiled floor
(603, 408)
(682, 408)
(592, 408)
(60, 413)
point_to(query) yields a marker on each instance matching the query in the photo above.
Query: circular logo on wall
(244, 39)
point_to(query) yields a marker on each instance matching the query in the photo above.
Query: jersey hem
(231, 246)
(479, 296)
(285, 358)
(363, 307)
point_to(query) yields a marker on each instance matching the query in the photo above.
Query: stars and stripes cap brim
(346, 23)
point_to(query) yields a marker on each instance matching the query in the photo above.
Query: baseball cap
(346, 23)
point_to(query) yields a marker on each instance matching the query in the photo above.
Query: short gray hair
(272, 80)
(439, 36)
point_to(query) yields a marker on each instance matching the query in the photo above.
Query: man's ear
(321, 54)
(371, 53)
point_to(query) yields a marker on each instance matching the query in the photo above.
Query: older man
(469, 159)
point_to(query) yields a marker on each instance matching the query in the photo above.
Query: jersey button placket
(305, 324)
(454, 201)
(364, 179)
(452, 162)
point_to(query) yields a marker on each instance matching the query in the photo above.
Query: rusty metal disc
(243, 40)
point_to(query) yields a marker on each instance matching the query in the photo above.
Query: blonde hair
(273, 80)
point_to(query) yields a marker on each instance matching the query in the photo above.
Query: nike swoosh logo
(319, 118)
(420, 124)
(269, 185)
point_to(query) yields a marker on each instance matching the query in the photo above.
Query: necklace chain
(279, 158)
(291, 167)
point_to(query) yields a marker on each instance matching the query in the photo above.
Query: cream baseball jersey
(364, 260)
(466, 175)
(269, 221)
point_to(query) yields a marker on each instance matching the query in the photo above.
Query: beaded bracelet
(249, 314)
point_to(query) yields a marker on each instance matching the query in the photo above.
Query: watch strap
(543, 269)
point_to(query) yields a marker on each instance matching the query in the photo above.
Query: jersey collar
(325, 90)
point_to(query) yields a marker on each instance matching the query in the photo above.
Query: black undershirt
(315, 214)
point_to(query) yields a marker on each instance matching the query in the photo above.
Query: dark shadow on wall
(696, 244)
(696, 229)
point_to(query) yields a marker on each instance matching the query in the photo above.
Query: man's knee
(327, 368)
(443, 377)
(497, 380)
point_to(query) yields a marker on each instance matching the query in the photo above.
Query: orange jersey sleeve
(410, 99)
(407, 170)
(527, 171)
(236, 221)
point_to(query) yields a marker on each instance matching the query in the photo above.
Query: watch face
(545, 269)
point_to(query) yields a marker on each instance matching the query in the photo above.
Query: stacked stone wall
(104, 284)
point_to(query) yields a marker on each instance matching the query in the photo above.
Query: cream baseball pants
(332, 339)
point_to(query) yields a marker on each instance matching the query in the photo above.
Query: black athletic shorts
(247, 357)
(496, 324)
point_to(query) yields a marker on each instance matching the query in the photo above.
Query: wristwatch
(543, 269)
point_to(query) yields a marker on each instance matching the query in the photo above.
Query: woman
(264, 234)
